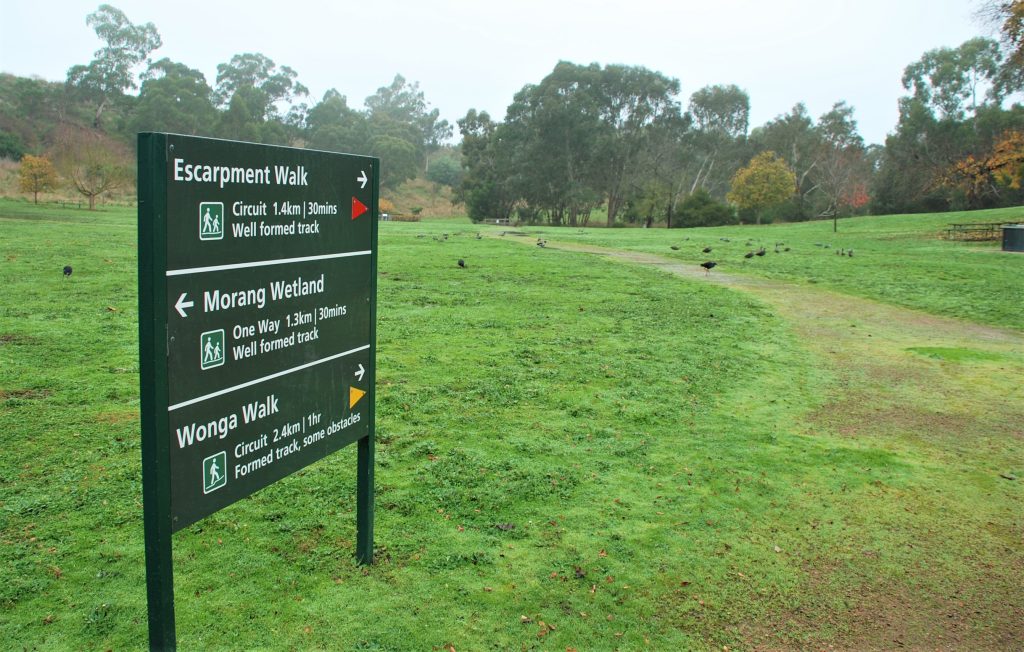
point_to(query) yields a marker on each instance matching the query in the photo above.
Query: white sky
(476, 54)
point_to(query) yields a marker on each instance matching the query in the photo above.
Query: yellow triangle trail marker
(354, 394)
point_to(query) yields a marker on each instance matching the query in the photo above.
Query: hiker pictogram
(211, 349)
(211, 220)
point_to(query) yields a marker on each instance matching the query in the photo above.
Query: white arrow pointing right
(359, 374)
(362, 178)
(181, 304)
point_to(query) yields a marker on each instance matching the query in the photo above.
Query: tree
(765, 182)
(841, 168)
(552, 137)
(633, 103)
(721, 109)
(717, 143)
(35, 175)
(331, 125)
(487, 187)
(949, 79)
(402, 104)
(260, 83)
(1008, 17)
(174, 98)
(95, 164)
(110, 73)
(398, 159)
(1002, 166)
(795, 139)
(446, 171)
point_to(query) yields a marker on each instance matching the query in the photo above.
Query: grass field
(896, 259)
(573, 452)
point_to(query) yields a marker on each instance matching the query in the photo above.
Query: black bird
(67, 271)
(462, 263)
(674, 247)
(760, 252)
(540, 243)
(707, 250)
(850, 253)
(786, 249)
(707, 266)
(749, 254)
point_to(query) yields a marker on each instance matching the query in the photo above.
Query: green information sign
(257, 306)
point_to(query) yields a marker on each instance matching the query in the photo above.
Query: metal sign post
(257, 317)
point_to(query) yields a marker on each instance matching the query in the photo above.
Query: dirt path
(943, 387)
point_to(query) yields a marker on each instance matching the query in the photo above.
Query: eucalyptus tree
(402, 104)
(111, 73)
(717, 143)
(554, 131)
(950, 80)
(260, 83)
(488, 188)
(174, 98)
(334, 126)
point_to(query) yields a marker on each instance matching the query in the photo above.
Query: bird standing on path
(707, 266)
(67, 271)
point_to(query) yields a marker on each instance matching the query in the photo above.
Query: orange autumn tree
(36, 175)
(980, 176)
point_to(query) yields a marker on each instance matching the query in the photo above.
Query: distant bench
(977, 231)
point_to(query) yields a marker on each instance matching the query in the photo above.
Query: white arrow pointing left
(181, 304)
(359, 374)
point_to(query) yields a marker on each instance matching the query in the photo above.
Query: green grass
(897, 259)
(571, 453)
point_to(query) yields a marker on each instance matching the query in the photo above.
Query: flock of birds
(759, 251)
(753, 251)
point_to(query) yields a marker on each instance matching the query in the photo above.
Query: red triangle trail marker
(358, 208)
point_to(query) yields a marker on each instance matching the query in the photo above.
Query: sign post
(257, 315)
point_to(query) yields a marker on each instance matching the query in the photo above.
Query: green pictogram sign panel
(262, 282)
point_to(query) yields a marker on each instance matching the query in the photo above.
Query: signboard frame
(155, 305)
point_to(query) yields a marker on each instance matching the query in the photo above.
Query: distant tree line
(617, 140)
(612, 141)
(87, 124)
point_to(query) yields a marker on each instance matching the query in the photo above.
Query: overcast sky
(476, 54)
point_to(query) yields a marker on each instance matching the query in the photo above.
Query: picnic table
(976, 230)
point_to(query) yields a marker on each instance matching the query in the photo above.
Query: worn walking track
(941, 390)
